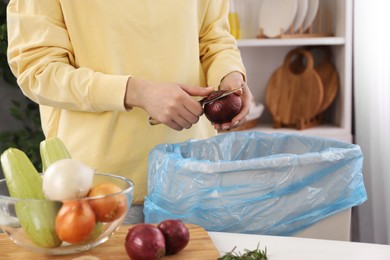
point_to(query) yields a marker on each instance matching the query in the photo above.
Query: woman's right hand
(169, 103)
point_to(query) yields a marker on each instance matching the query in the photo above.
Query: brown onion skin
(75, 221)
(222, 110)
(145, 242)
(176, 235)
(109, 208)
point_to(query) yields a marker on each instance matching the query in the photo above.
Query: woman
(99, 69)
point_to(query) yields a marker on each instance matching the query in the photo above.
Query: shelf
(262, 56)
(324, 131)
(291, 41)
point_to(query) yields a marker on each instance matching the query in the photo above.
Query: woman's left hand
(231, 81)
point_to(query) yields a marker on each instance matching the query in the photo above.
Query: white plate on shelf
(300, 15)
(311, 14)
(277, 16)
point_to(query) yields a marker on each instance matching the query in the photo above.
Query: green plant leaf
(16, 103)
(16, 113)
(30, 134)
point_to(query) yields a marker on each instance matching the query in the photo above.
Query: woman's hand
(231, 81)
(170, 103)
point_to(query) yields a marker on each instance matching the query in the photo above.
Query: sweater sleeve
(218, 48)
(40, 55)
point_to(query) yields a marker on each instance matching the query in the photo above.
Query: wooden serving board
(292, 96)
(330, 79)
(325, 69)
(199, 247)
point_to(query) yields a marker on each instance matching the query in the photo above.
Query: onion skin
(75, 221)
(109, 208)
(222, 110)
(214, 95)
(67, 179)
(145, 242)
(176, 235)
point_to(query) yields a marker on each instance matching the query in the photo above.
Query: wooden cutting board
(330, 79)
(291, 95)
(325, 69)
(199, 247)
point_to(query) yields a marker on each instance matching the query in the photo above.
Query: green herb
(256, 254)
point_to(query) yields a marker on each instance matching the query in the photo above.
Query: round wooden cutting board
(330, 79)
(325, 69)
(293, 95)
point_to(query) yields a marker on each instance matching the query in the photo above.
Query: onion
(176, 235)
(75, 221)
(111, 207)
(145, 242)
(222, 110)
(67, 179)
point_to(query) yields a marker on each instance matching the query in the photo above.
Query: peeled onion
(67, 179)
(222, 110)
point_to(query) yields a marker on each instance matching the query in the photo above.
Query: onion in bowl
(67, 179)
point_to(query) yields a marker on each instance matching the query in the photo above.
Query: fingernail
(236, 123)
(225, 127)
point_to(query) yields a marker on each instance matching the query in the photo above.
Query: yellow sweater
(74, 57)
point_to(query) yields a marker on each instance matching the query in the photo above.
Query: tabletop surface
(209, 245)
(200, 246)
(293, 248)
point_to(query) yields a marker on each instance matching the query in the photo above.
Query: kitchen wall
(7, 93)
(372, 115)
(7, 122)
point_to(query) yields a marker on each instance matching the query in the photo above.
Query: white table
(293, 248)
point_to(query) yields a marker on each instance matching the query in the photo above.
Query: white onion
(67, 179)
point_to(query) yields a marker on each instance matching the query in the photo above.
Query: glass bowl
(27, 223)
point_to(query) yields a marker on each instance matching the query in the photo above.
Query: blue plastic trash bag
(251, 182)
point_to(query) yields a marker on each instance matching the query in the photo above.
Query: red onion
(145, 242)
(222, 110)
(176, 235)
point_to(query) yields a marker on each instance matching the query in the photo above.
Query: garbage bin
(253, 182)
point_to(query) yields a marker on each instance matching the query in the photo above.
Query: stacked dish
(277, 17)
